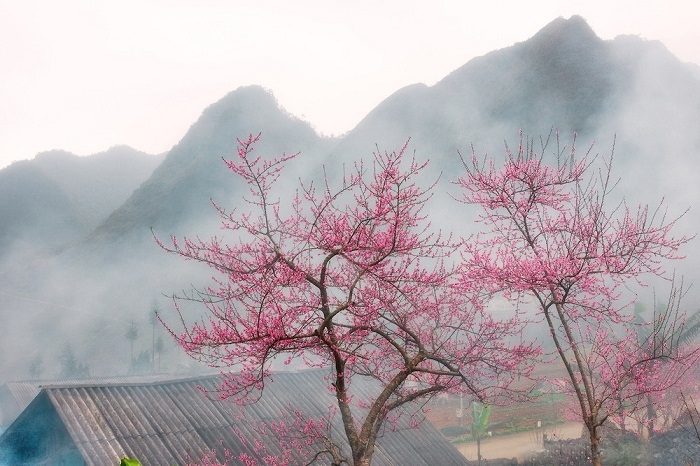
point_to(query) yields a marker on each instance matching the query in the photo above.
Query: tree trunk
(651, 416)
(595, 446)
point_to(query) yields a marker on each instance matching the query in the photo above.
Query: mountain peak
(54, 154)
(246, 97)
(567, 29)
(568, 35)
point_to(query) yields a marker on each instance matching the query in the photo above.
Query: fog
(85, 292)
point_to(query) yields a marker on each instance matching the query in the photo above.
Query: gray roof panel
(171, 422)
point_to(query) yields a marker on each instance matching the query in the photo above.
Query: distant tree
(132, 334)
(141, 364)
(36, 367)
(352, 279)
(552, 237)
(71, 368)
(158, 348)
(153, 319)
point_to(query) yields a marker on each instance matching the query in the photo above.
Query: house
(173, 422)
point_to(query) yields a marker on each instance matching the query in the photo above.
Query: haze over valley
(79, 264)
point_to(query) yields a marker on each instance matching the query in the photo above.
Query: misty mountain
(115, 274)
(35, 210)
(54, 200)
(628, 90)
(564, 77)
(179, 191)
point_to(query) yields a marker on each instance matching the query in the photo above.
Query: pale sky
(85, 75)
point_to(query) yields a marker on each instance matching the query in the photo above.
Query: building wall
(38, 437)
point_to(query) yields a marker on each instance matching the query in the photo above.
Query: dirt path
(520, 445)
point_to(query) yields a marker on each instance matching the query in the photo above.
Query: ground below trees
(517, 430)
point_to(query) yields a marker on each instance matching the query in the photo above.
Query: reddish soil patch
(443, 413)
(516, 416)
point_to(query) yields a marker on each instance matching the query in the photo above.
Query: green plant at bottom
(129, 462)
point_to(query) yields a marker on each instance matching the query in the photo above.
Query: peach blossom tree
(553, 234)
(351, 277)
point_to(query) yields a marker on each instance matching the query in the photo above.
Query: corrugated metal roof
(16, 395)
(165, 423)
